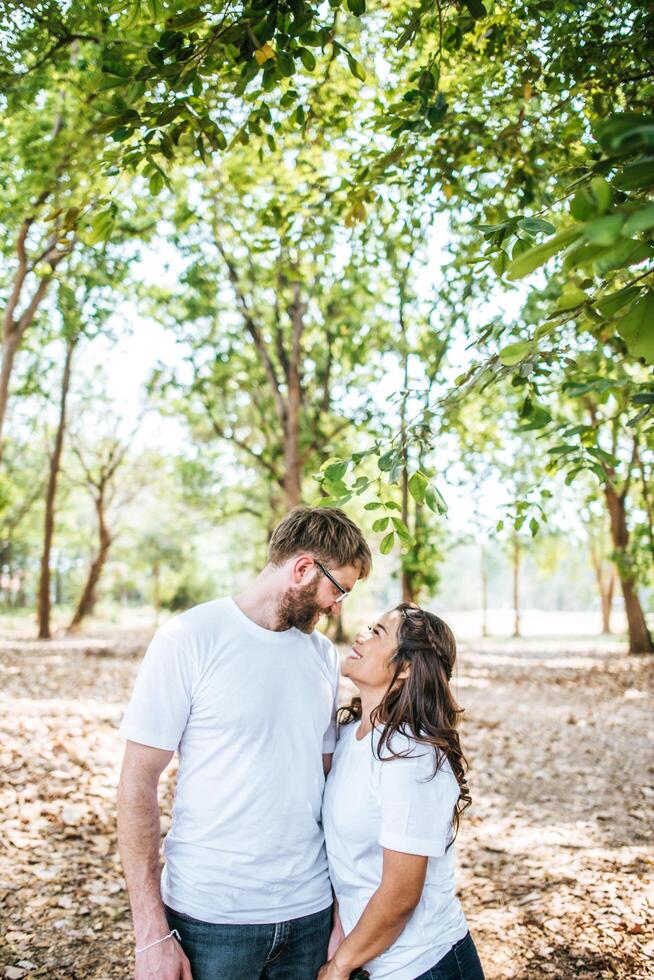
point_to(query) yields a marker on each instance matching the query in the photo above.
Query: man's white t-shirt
(250, 712)
(398, 804)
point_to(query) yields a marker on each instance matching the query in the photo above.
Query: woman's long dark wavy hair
(422, 707)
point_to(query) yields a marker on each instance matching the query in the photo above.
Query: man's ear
(301, 567)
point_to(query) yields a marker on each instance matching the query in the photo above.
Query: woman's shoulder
(425, 758)
(401, 743)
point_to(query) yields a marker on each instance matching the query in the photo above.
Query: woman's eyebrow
(382, 627)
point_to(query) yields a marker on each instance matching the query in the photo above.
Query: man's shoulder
(194, 622)
(326, 649)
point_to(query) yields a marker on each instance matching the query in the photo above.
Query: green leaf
(117, 68)
(500, 262)
(539, 255)
(514, 353)
(307, 58)
(285, 64)
(562, 450)
(380, 524)
(520, 246)
(583, 206)
(387, 543)
(373, 505)
(156, 183)
(336, 471)
(186, 19)
(581, 255)
(356, 68)
(636, 175)
(476, 8)
(418, 484)
(637, 328)
(602, 192)
(101, 227)
(385, 462)
(403, 533)
(357, 7)
(610, 305)
(625, 253)
(534, 226)
(534, 527)
(641, 220)
(623, 130)
(570, 298)
(435, 500)
(604, 231)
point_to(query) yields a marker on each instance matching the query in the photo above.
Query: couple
(245, 691)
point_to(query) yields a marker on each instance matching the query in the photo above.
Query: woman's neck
(369, 701)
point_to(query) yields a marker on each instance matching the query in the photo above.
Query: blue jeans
(461, 963)
(292, 950)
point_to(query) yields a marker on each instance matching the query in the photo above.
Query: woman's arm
(384, 917)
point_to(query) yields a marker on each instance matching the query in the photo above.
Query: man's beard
(298, 608)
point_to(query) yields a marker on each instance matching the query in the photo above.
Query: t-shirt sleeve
(160, 705)
(329, 738)
(416, 810)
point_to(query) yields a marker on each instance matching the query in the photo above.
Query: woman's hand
(329, 971)
(337, 935)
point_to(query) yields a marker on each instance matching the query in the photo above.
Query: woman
(392, 805)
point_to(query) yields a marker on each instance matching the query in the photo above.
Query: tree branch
(255, 333)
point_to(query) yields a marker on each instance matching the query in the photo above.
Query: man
(245, 691)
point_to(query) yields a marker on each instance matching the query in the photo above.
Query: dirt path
(556, 857)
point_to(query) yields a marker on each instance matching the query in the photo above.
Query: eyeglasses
(343, 592)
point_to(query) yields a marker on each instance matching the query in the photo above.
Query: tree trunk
(605, 578)
(292, 459)
(339, 630)
(516, 586)
(9, 347)
(607, 587)
(87, 598)
(292, 422)
(156, 591)
(44, 600)
(408, 585)
(484, 590)
(640, 640)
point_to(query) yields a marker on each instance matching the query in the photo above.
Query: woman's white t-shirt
(398, 804)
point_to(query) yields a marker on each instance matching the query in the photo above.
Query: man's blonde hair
(325, 532)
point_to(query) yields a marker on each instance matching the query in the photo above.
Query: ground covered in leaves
(556, 857)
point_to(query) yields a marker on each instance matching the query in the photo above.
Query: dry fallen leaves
(555, 856)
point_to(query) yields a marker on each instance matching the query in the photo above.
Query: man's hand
(165, 961)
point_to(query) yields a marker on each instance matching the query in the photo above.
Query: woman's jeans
(461, 963)
(293, 950)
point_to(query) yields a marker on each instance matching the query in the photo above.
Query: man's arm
(138, 842)
(384, 917)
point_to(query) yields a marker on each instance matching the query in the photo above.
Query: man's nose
(336, 609)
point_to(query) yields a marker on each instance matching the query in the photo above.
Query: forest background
(396, 257)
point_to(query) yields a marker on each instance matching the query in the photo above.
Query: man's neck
(259, 601)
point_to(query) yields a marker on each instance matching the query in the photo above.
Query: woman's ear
(404, 673)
